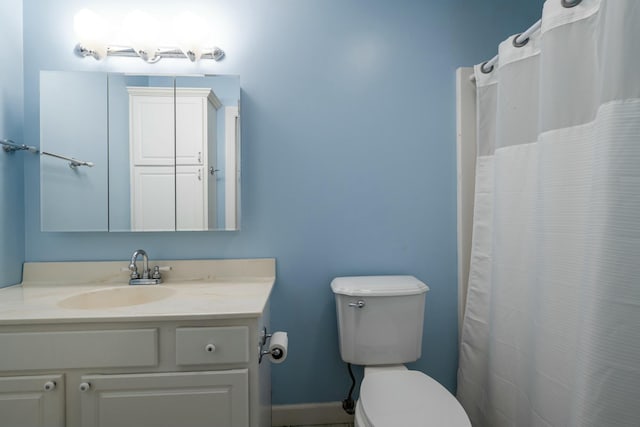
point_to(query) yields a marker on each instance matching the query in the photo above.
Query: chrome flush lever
(358, 304)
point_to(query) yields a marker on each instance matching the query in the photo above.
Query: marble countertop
(200, 289)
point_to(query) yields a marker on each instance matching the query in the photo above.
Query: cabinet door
(152, 129)
(186, 399)
(153, 198)
(191, 198)
(191, 130)
(32, 401)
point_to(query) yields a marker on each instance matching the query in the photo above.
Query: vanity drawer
(205, 346)
(78, 349)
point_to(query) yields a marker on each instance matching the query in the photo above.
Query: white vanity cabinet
(32, 401)
(173, 145)
(186, 399)
(81, 348)
(176, 373)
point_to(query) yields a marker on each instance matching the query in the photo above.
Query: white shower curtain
(551, 332)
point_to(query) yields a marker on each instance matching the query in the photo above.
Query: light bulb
(190, 33)
(142, 32)
(91, 31)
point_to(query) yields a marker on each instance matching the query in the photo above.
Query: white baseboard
(309, 414)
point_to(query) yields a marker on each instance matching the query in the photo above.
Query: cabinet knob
(49, 386)
(84, 387)
(199, 156)
(210, 348)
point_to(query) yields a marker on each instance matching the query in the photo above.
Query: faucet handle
(156, 273)
(134, 271)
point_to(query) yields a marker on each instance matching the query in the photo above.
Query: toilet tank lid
(361, 286)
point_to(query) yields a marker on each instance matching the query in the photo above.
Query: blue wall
(348, 133)
(11, 124)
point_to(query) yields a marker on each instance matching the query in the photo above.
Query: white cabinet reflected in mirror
(166, 152)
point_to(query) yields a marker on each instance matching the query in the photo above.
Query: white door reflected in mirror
(174, 173)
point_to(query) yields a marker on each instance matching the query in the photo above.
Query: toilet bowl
(380, 322)
(404, 398)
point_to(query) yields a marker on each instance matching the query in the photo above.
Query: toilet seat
(408, 399)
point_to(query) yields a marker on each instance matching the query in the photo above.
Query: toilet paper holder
(264, 336)
(275, 353)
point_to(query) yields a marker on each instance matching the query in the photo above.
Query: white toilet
(380, 323)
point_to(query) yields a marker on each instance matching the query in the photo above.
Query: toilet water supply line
(348, 404)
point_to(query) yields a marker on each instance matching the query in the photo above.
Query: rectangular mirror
(166, 152)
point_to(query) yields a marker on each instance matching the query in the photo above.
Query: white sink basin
(117, 297)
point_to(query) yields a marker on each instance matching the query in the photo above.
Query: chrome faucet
(147, 278)
(145, 265)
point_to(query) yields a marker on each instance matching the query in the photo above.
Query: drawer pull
(49, 386)
(84, 387)
(211, 345)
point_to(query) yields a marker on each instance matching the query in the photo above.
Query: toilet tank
(380, 318)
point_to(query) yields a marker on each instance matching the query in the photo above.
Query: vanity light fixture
(142, 31)
(190, 33)
(142, 34)
(92, 32)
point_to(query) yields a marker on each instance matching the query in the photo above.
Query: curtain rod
(9, 146)
(523, 38)
(518, 41)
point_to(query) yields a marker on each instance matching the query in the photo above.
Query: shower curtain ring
(484, 69)
(570, 3)
(516, 43)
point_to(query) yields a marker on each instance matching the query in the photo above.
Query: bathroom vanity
(81, 347)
